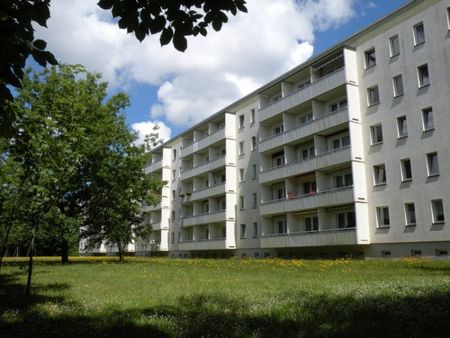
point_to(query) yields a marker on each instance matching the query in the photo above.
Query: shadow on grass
(218, 315)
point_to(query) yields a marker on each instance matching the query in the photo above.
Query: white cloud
(148, 127)
(249, 50)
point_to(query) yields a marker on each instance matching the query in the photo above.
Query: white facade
(347, 154)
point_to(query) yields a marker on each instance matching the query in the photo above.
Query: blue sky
(176, 90)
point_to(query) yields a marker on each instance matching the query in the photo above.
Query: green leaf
(39, 44)
(106, 4)
(166, 36)
(180, 42)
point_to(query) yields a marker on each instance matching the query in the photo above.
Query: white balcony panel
(154, 167)
(214, 217)
(204, 168)
(335, 197)
(288, 205)
(328, 82)
(208, 192)
(203, 143)
(330, 237)
(330, 120)
(210, 244)
(333, 157)
(318, 87)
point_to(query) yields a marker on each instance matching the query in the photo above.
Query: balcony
(304, 130)
(204, 142)
(320, 161)
(211, 191)
(326, 198)
(318, 87)
(203, 244)
(154, 167)
(206, 218)
(326, 237)
(203, 168)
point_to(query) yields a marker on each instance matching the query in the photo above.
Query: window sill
(407, 180)
(428, 130)
(424, 86)
(399, 95)
(370, 67)
(373, 104)
(433, 175)
(394, 55)
(410, 225)
(419, 44)
(380, 184)
(402, 137)
(383, 226)
(376, 143)
(438, 222)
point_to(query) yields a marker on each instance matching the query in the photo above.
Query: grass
(157, 297)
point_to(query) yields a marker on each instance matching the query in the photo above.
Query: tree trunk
(64, 251)
(30, 261)
(4, 245)
(121, 256)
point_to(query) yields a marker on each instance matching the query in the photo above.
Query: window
(448, 18)
(252, 115)
(241, 148)
(223, 178)
(174, 155)
(278, 129)
(410, 214)
(305, 118)
(172, 237)
(254, 172)
(253, 144)
(370, 58)
(243, 231)
(401, 127)
(255, 230)
(427, 119)
(311, 223)
(282, 227)
(174, 174)
(345, 141)
(383, 217)
(437, 210)
(344, 181)
(373, 96)
(394, 44)
(376, 132)
(308, 153)
(406, 170)
(379, 174)
(241, 175)
(278, 159)
(346, 220)
(173, 194)
(397, 82)
(310, 188)
(419, 34)
(255, 200)
(423, 76)
(242, 202)
(241, 121)
(432, 164)
(336, 106)
(173, 216)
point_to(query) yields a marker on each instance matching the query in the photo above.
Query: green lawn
(97, 297)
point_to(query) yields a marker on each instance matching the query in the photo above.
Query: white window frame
(243, 232)
(379, 178)
(374, 140)
(403, 170)
(392, 51)
(252, 116)
(421, 82)
(402, 122)
(370, 58)
(434, 213)
(409, 220)
(431, 164)
(241, 120)
(241, 148)
(254, 171)
(427, 126)
(241, 175)
(418, 42)
(381, 217)
(372, 99)
(448, 18)
(397, 85)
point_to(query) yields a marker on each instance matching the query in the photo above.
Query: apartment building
(347, 154)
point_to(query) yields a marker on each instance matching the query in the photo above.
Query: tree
(173, 20)
(118, 187)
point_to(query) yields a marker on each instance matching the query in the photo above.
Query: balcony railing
(321, 237)
(204, 218)
(317, 87)
(203, 142)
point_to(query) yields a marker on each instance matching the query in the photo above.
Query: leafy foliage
(172, 19)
